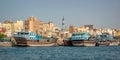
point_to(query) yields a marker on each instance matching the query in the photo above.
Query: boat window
(22, 33)
(48, 40)
(26, 33)
(101, 35)
(105, 36)
(73, 34)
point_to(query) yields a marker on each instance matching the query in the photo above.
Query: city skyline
(100, 13)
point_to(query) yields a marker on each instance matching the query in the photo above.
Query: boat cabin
(27, 35)
(80, 36)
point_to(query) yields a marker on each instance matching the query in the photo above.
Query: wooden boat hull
(103, 43)
(67, 43)
(83, 43)
(24, 42)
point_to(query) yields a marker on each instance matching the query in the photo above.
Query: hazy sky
(100, 13)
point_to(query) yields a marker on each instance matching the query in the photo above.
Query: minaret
(63, 23)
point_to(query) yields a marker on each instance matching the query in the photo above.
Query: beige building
(11, 27)
(37, 26)
(82, 29)
(72, 29)
(18, 26)
(94, 32)
(85, 28)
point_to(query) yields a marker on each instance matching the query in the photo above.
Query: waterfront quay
(34, 32)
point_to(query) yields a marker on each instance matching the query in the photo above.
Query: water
(60, 53)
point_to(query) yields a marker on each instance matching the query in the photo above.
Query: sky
(100, 13)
